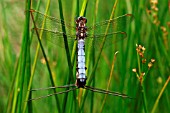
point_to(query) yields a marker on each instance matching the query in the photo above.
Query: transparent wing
(50, 29)
(109, 40)
(113, 30)
(55, 38)
(115, 24)
(51, 23)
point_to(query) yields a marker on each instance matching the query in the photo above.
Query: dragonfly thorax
(81, 27)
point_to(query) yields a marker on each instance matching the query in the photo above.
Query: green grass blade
(159, 96)
(73, 55)
(24, 55)
(18, 95)
(68, 57)
(83, 9)
(7, 63)
(109, 81)
(91, 55)
(11, 92)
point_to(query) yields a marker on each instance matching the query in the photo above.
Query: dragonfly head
(81, 19)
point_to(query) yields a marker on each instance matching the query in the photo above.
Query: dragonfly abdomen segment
(81, 68)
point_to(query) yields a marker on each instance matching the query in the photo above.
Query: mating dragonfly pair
(53, 30)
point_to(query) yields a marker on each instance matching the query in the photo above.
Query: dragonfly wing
(112, 30)
(54, 37)
(108, 39)
(51, 23)
(108, 26)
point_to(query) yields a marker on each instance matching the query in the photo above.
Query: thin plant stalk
(76, 9)
(160, 94)
(141, 85)
(68, 56)
(144, 97)
(18, 98)
(93, 55)
(109, 82)
(83, 9)
(8, 60)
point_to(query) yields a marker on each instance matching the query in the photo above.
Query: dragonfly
(52, 31)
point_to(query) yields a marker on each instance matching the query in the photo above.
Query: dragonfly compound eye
(85, 20)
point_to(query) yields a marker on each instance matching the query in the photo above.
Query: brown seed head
(155, 16)
(154, 2)
(168, 23)
(143, 48)
(156, 9)
(138, 50)
(148, 11)
(140, 46)
(142, 74)
(163, 29)
(134, 70)
(144, 61)
(150, 65)
(141, 77)
(152, 60)
(141, 55)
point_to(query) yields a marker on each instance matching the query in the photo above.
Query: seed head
(144, 61)
(141, 55)
(152, 60)
(168, 23)
(134, 70)
(140, 50)
(141, 77)
(154, 2)
(143, 48)
(150, 65)
(142, 74)
(163, 28)
(140, 46)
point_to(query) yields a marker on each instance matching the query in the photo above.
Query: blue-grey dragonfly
(52, 30)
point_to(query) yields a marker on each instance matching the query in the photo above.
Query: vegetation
(138, 66)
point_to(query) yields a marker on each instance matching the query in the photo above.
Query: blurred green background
(141, 72)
